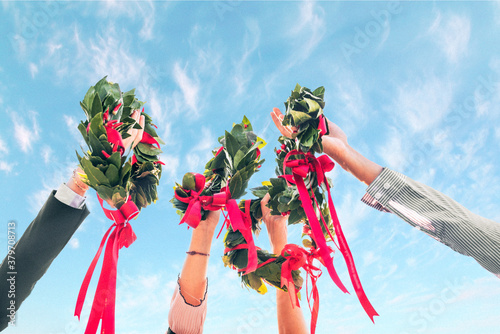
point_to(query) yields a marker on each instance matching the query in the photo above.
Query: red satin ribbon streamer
(296, 258)
(300, 169)
(120, 235)
(314, 273)
(242, 222)
(239, 221)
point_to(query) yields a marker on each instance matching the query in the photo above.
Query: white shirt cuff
(67, 196)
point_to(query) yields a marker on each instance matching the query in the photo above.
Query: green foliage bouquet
(115, 176)
(226, 175)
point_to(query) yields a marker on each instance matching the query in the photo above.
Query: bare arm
(290, 319)
(419, 205)
(194, 272)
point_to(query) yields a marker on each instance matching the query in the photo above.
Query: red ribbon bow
(242, 222)
(120, 235)
(239, 221)
(192, 216)
(300, 169)
(296, 258)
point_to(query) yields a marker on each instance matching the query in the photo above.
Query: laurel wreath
(115, 176)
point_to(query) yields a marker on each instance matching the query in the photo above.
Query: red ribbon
(314, 273)
(120, 235)
(300, 169)
(239, 221)
(322, 125)
(147, 139)
(114, 136)
(296, 258)
(192, 216)
(242, 222)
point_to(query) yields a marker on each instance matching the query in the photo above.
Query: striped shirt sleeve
(437, 215)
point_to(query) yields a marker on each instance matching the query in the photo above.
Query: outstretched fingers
(277, 117)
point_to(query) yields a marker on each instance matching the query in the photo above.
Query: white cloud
(308, 26)
(369, 258)
(108, 53)
(47, 154)
(351, 212)
(74, 243)
(143, 10)
(475, 142)
(6, 167)
(393, 152)
(33, 70)
(482, 104)
(349, 96)
(243, 71)
(452, 34)
(422, 103)
(50, 181)
(310, 21)
(17, 40)
(389, 272)
(38, 198)
(3, 146)
(196, 75)
(171, 165)
(193, 161)
(189, 87)
(133, 292)
(201, 151)
(206, 142)
(72, 126)
(147, 10)
(26, 135)
(53, 48)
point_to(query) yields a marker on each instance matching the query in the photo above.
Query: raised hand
(135, 134)
(335, 145)
(276, 227)
(76, 182)
(277, 117)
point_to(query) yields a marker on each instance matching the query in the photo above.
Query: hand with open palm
(335, 145)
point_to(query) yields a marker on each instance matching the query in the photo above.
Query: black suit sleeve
(40, 244)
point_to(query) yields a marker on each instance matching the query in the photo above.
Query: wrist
(342, 154)
(336, 149)
(277, 249)
(361, 167)
(201, 240)
(76, 184)
(277, 246)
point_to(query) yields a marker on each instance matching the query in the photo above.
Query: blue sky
(414, 85)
